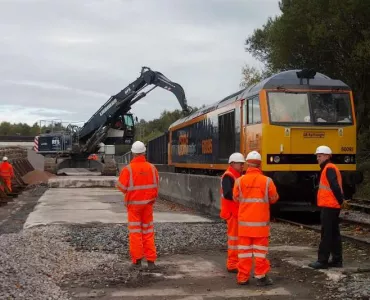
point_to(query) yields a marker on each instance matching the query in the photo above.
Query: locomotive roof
(283, 80)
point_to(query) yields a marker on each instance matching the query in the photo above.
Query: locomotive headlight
(277, 159)
(347, 159)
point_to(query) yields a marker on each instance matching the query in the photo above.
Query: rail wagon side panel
(157, 150)
(208, 141)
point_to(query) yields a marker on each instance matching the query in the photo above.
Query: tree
(250, 76)
(331, 36)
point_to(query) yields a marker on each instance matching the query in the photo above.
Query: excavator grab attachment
(173, 87)
(129, 95)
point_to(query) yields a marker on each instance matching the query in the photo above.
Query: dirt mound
(37, 177)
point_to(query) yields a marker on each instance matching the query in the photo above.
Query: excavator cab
(129, 126)
(122, 131)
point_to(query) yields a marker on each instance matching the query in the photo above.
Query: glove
(345, 204)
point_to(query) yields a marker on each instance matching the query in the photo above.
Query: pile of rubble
(37, 177)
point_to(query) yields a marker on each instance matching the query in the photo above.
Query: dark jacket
(227, 187)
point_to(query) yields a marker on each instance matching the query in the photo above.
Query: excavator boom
(111, 124)
(121, 103)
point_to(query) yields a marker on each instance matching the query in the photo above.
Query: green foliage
(250, 76)
(145, 131)
(24, 129)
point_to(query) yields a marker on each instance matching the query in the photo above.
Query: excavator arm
(97, 128)
(121, 103)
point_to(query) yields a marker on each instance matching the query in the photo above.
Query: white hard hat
(253, 156)
(323, 150)
(138, 147)
(5, 158)
(236, 157)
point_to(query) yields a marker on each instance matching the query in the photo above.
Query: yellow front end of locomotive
(293, 148)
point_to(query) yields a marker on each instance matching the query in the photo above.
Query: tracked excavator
(112, 124)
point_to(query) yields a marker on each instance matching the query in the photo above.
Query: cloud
(71, 56)
(55, 86)
(31, 115)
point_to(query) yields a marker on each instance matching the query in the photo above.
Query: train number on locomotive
(346, 149)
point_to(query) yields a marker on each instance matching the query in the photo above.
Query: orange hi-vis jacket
(254, 192)
(325, 196)
(228, 207)
(138, 188)
(93, 157)
(6, 170)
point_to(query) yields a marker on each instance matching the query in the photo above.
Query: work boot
(318, 265)
(136, 266)
(264, 281)
(335, 264)
(243, 282)
(151, 265)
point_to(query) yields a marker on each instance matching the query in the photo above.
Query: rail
(354, 220)
(317, 228)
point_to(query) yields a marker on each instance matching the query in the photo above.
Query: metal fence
(124, 159)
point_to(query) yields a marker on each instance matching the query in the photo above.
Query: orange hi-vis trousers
(256, 247)
(141, 232)
(232, 243)
(8, 183)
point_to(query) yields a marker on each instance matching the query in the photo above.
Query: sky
(63, 59)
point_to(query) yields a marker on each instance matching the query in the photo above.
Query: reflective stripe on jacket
(325, 196)
(228, 207)
(6, 170)
(254, 192)
(139, 181)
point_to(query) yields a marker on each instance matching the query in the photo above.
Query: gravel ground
(169, 237)
(356, 284)
(34, 262)
(53, 254)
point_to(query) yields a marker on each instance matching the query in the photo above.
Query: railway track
(360, 204)
(351, 230)
(355, 222)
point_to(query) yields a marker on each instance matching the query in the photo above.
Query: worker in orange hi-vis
(139, 182)
(254, 192)
(229, 208)
(6, 173)
(93, 157)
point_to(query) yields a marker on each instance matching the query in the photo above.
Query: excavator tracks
(109, 168)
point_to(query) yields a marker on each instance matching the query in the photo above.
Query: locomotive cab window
(252, 111)
(331, 108)
(288, 107)
(226, 133)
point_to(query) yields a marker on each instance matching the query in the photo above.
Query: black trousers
(331, 242)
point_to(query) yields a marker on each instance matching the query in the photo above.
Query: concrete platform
(82, 181)
(78, 172)
(97, 205)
